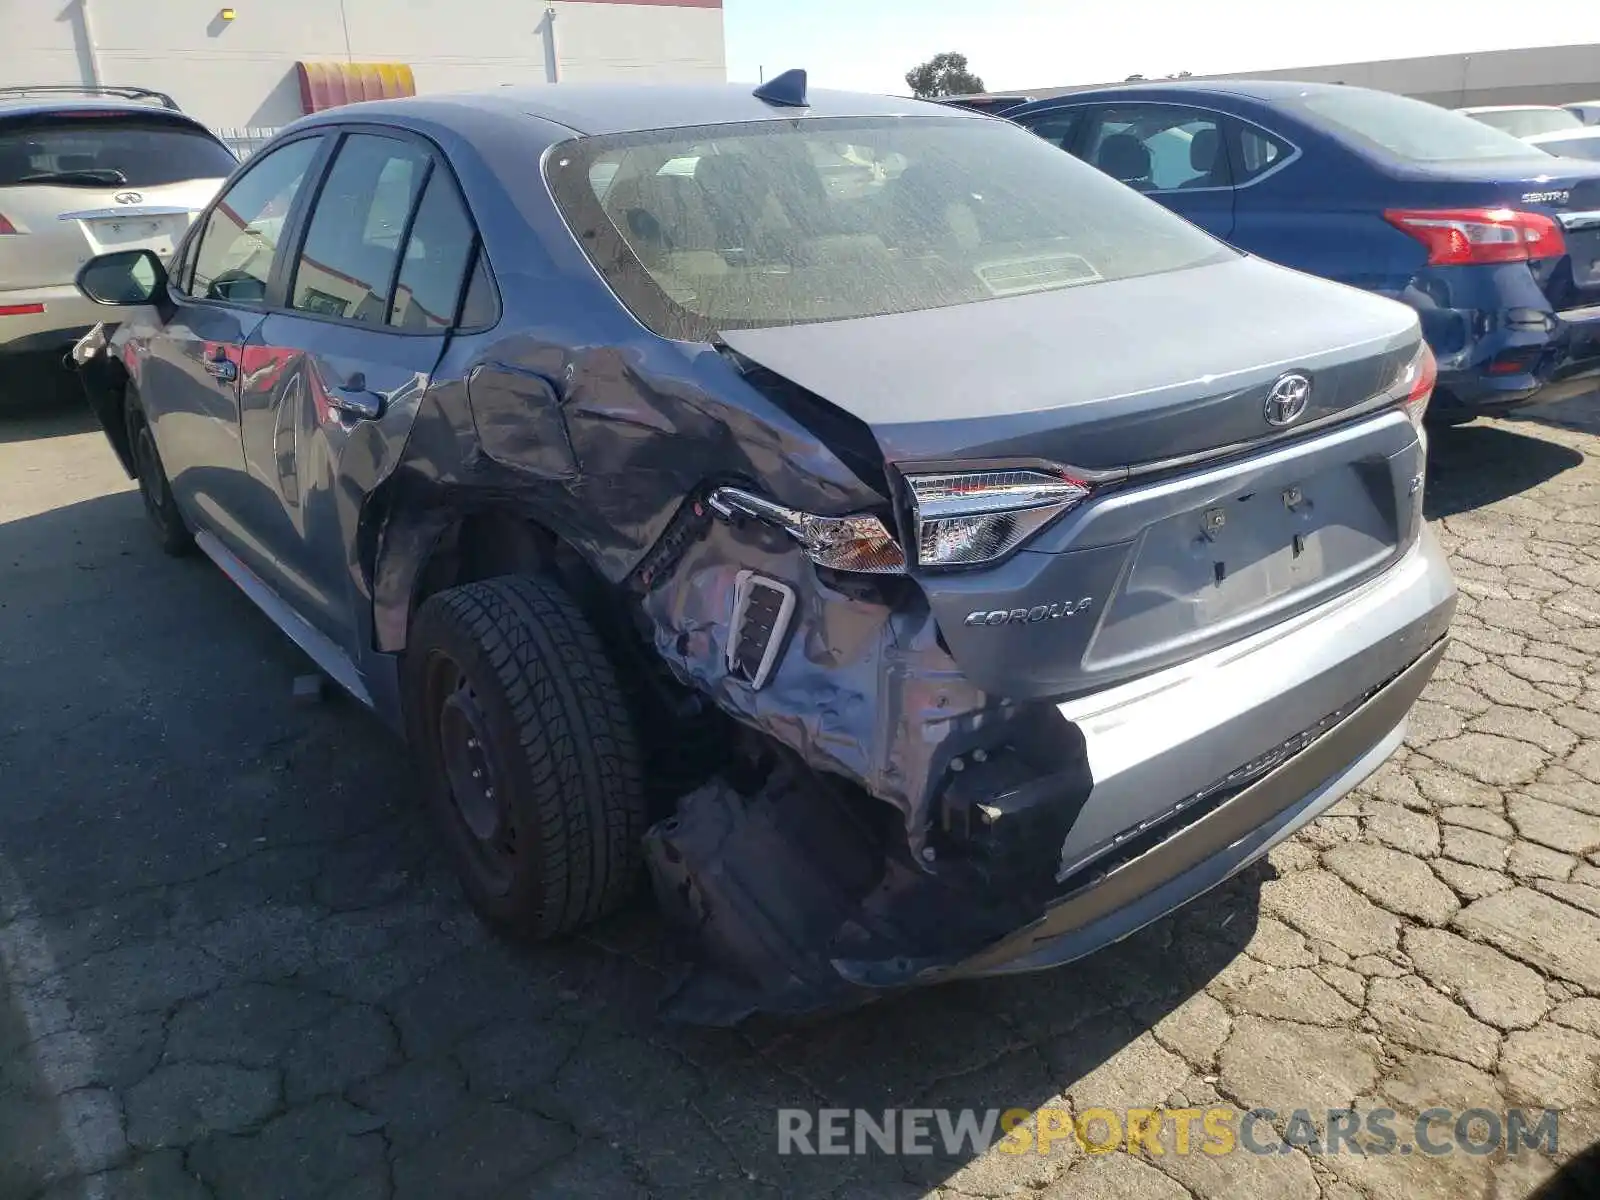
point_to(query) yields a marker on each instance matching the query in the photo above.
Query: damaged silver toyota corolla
(926, 555)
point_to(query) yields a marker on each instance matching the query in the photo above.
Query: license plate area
(1583, 251)
(134, 232)
(1247, 552)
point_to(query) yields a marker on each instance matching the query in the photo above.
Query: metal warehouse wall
(242, 72)
(1546, 75)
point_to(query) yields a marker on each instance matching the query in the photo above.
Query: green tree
(943, 75)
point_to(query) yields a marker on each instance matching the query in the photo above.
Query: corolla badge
(1027, 616)
(1287, 400)
(129, 197)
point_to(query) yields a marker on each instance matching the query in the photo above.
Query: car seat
(1206, 157)
(1126, 159)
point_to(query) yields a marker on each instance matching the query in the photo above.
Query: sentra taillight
(1458, 237)
(6, 226)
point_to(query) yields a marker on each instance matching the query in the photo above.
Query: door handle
(354, 400)
(222, 368)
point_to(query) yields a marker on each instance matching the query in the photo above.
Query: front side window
(1159, 147)
(781, 222)
(1056, 127)
(234, 259)
(1406, 129)
(352, 242)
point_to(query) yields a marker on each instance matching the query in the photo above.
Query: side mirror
(124, 277)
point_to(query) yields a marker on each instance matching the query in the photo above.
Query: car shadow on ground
(38, 417)
(1472, 465)
(250, 929)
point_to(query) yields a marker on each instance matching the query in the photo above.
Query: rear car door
(76, 181)
(189, 375)
(1176, 154)
(344, 358)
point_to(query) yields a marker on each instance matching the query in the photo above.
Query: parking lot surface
(232, 964)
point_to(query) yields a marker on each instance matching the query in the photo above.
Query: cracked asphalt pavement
(233, 965)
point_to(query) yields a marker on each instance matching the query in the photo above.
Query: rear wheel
(154, 487)
(530, 763)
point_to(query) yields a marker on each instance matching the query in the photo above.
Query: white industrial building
(1542, 75)
(262, 63)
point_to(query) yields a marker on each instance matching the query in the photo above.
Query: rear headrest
(1203, 149)
(1123, 156)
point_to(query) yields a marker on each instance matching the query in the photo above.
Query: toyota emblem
(129, 198)
(1287, 400)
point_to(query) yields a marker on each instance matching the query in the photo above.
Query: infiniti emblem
(1287, 400)
(129, 198)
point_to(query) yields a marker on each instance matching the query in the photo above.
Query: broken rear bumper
(1220, 844)
(1161, 733)
(1250, 743)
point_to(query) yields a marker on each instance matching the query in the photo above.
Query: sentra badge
(1027, 616)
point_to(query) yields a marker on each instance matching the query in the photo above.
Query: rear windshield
(781, 222)
(101, 151)
(1583, 147)
(1413, 130)
(1528, 122)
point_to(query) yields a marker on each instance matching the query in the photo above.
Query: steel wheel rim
(478, 799)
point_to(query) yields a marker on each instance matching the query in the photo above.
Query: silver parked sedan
(928, 556)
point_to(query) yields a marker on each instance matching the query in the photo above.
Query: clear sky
(869, 45)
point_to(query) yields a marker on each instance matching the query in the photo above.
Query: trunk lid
(85, 182)
(1160, 563)
(1133, 371)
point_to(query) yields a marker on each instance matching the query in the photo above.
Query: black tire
(530, 763)
(171, 532)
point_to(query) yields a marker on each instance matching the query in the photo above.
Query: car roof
(607, 108)
(27, 106)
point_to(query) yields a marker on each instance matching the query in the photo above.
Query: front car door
(1176, 154)
(189, 374)
(340, 364)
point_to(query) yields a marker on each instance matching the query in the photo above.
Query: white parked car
(1526, 121)
(84, 171)
(1583, 142)
(1587, 111)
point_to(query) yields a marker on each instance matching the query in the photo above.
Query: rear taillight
(21, 310)
(1416, 383)
(6, 226)
(1465, 236)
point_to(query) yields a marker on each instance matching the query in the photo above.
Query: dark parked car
(1496, 245)
(937, 576)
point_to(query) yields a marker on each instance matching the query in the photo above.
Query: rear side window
(108, 151)
(1410, 130)
(352, 243)
(779, 222)
(1258, 152)
(435, 264)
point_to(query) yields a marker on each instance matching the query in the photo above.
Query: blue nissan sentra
(1495, 244)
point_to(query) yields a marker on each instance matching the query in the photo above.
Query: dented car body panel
(937, 754)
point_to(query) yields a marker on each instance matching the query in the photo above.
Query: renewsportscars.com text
(1212, 1131)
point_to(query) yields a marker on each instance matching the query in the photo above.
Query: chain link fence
(246, 140)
